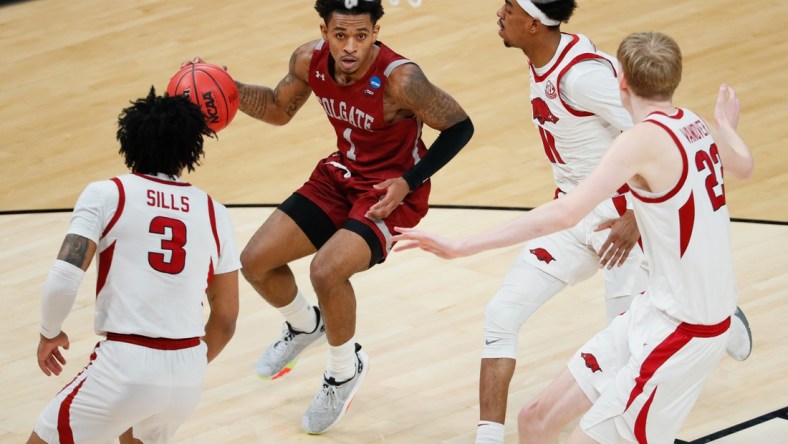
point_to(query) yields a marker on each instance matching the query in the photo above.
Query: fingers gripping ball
(211, 87)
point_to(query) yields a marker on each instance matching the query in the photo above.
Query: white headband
(537, 13)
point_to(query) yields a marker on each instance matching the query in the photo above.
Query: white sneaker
(333, 399)
(280, 357)
(740, 340)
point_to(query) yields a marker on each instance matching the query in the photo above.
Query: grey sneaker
(333, 399)
(280, 357)
(740, 341)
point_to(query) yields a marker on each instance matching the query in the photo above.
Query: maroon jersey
(369, 147)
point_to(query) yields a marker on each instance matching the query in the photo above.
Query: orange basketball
(211, 87)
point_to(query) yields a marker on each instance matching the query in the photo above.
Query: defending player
(638, 379)
(159, 242)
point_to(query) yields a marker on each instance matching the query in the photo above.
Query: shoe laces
(327, 397)
(287, 335)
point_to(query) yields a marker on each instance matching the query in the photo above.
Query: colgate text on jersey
(168, 201)
(353, 116)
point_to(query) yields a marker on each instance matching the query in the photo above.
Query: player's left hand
(396, 190)
(50, 359)
(622, 238)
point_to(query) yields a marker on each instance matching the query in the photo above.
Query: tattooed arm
(409, 93)
(60, 291)
(277, 106)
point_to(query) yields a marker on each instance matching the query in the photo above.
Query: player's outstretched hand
(396, 190)
(726, 110)
(622, 238)
(50, 359)
(412, 238)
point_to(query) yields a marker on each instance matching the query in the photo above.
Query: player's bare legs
(35, 439)
(494, 379)
(345, 254)
(128, 438)
(276, 243)
(542, 421)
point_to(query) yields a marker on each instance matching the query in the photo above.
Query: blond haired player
(637, 380)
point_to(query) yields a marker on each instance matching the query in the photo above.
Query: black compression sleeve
(448, 143)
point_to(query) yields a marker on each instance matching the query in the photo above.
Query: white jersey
(686, 230)
(576, 108)
(160, 241)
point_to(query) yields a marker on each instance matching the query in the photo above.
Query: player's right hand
(50, 359)
(726, 110)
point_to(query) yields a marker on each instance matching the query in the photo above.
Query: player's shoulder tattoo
(417, 91)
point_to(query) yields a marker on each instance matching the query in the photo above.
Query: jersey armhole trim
(684, 169)
(119, 209)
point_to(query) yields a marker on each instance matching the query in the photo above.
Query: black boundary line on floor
(777, 414)
(443, 207)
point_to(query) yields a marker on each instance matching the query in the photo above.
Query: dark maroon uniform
(371, 150)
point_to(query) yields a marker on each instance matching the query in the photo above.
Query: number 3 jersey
(160, 242)
(370, 147)
(686, 230)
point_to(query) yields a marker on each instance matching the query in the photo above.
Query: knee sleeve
(524, 290)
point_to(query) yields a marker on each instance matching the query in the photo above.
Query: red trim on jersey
(119, 209)
(686, 223)
(210, 273)
(540, 78)
(679, 114)
(684, 169)
(212, 216)
(580, 58)
(640, 421)
(164, 181)
(155, 343)
(64, 432)
(620, 202)
(104, 264)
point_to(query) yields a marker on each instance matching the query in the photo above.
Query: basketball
(211, 87)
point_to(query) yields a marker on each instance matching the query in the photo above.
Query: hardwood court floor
(419, 318)
(68, 67)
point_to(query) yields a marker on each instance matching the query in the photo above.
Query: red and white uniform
(646, 370)
(160, 241)
(577, 111)
(370, 150)
(686, 231)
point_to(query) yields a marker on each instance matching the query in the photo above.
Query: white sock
(342, 361)
(300, 314)
(488, 432)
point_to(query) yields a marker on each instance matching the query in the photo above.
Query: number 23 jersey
(160, 242)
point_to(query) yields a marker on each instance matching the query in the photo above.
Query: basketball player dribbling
(159, 242)
(378, 178)
(637, 380)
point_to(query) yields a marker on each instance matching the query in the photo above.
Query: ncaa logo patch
(374, 82)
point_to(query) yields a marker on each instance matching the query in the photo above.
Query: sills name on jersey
(160, 199)
(695, 131)
(351, 115)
